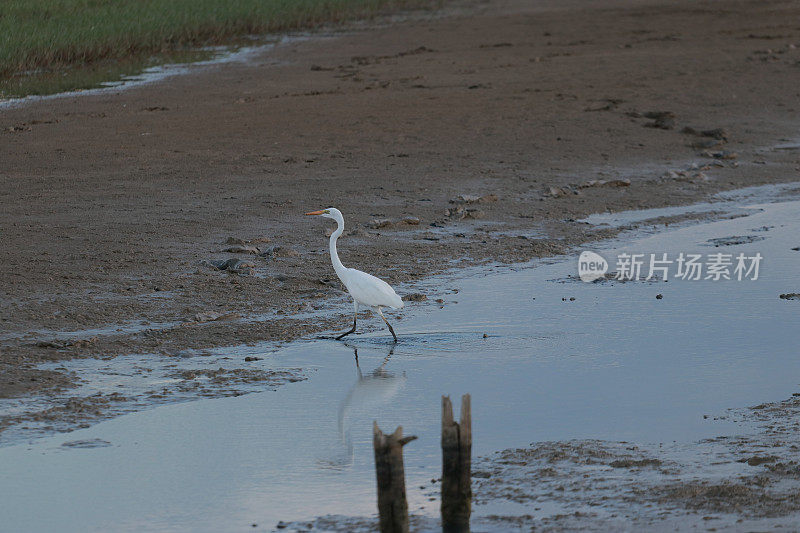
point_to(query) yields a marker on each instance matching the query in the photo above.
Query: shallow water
(616, 363)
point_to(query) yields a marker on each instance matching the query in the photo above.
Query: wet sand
(536, 114)
(560, 371)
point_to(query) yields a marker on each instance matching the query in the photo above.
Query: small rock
(358, 232)
(212, 316)
(473, 199)
(790, 296)
(411, 221)
(664, 120)
(280, 251)
(51, 344)
(474, 214)
(556, 192)
(232, 265)
(722, 154)
(682, 175)
(249, 359)
(379, 223)
(415, 297)
(716, 133)
(243, 249)
(455, 212)
(759, 460)
(485, 336)
(659, 296)
(706, 144)
(465, 199)
(606, 183)
(235, 240)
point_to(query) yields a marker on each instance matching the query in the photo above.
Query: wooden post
(456, 467)
(392, 504)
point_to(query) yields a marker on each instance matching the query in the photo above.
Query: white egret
(365, 289)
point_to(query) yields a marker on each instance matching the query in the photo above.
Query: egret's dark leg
(387, 324)
(353, 329)
(346, 333)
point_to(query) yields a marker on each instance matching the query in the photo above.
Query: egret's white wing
(371, 291)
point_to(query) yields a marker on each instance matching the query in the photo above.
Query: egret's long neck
(337, 264)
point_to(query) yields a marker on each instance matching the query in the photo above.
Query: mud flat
(155, 252)
(117, 205)
(609, 404)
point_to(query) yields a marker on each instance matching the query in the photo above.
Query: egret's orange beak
(316, 212)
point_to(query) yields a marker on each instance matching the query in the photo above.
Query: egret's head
(331, 212)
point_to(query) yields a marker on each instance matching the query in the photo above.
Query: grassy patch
(48, 36)
(92, 75)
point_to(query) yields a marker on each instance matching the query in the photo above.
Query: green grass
(53, 36)
(92, 75)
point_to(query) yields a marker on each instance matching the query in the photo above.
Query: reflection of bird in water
(368, 392)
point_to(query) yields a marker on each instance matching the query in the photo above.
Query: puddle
(729, 201)
(615, 363)
(125, 384)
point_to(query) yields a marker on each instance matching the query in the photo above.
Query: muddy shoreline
(742, 482)
(117, 205)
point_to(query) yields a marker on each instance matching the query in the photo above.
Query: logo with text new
(591, 266)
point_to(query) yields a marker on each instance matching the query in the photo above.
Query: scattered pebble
(237, 240)
(722, 154)
(280, 251)
(606, 183)
(381, 223)
(664, 120)
(659, 296)
(556, 192)
(460, 213)
(212, 316)
(243, 249)
(759, 460)
(231, 265)
(707, 144)
(716, 133)
(415, 297)
(473, 199)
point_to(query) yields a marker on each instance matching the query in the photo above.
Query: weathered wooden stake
(392, 504)
(456, 467)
